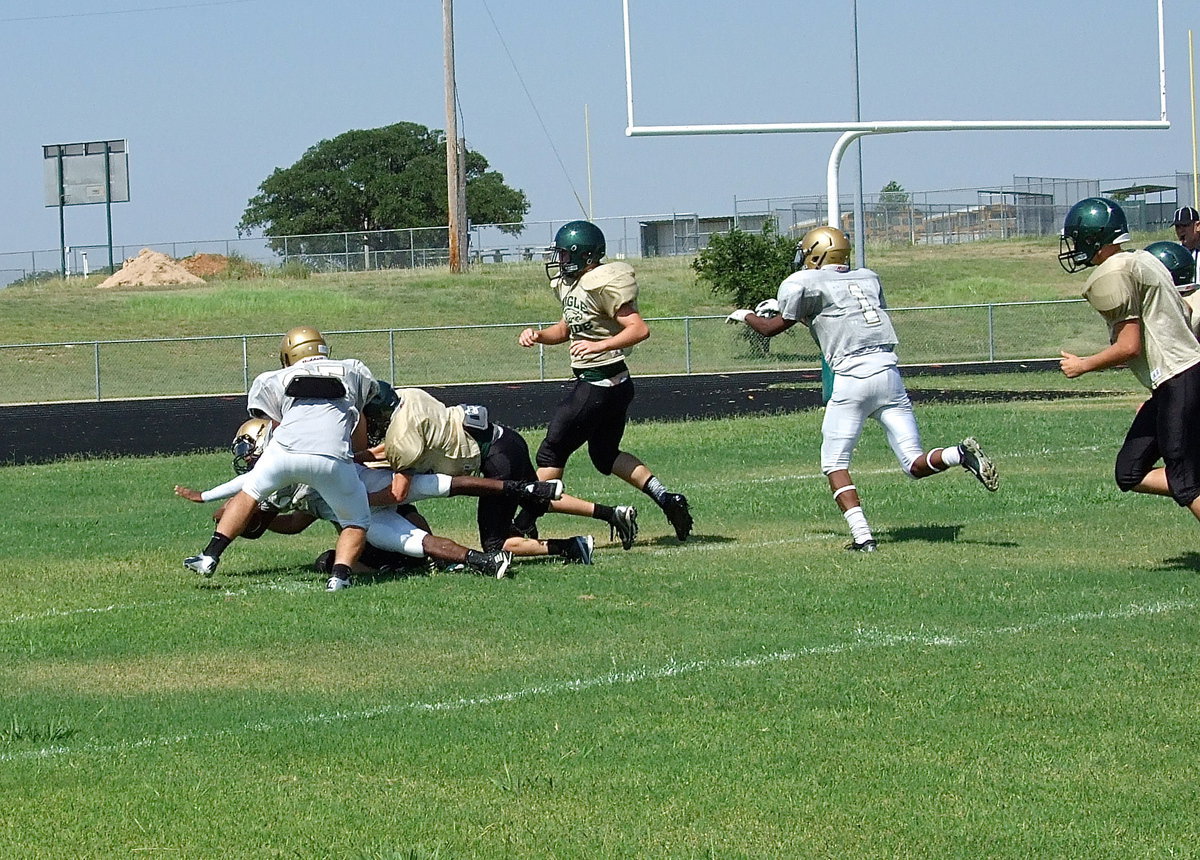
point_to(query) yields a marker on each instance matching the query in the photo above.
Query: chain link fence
(122, 369)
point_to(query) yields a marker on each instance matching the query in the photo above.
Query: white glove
(738, 316)
(767, 308)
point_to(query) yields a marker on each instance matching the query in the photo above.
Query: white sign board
(84, 167)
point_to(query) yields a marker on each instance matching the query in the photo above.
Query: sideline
(865, 638)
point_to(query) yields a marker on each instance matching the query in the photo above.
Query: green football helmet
(1178, 260)
(577, 245)
(378, 412)
(1091, 224)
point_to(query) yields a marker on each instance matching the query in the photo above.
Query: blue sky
(212, 96)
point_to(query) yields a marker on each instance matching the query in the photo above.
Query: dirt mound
(148, 269)
(206, 265)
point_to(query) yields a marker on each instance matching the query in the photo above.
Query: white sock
(951, 456)
(857, 520)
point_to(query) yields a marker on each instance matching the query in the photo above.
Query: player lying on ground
(292, 509)
(425, 435)
(315, 403)
(846, 314)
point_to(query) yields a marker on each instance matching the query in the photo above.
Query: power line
(108, 12)
(536, 112)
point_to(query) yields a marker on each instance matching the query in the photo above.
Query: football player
(1187, 231)
(316, 403)
(394, 530)
(846, 313)
(600, 318)
(1182, 266)
(427, 436)
(1149, 332)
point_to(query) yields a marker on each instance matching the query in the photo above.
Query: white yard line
(863, 638)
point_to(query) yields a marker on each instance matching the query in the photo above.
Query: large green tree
(375, 179)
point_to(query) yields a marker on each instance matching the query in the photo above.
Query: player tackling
(845, 311)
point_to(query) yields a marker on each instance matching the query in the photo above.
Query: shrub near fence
(121, 369)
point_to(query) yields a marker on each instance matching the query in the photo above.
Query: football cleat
(491, 563)
(541, 491)
(867, 545)
(624, 525)
(203, 564)
(324, 562)
(579, 550)
(979, 464)
(336, 583)
(675, 506)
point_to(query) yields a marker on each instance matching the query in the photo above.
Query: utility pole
(455, 183)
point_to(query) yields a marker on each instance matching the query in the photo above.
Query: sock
(603, 512)
(857, 520)
(951, 456)
(341, 571)
(557, 547)
(526, 520)
(217, 545)
(654, 489)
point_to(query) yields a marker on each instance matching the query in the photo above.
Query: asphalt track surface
(46, 432)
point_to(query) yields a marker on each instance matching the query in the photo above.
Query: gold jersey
(426, 435)
(590, 306)
(1136, 286)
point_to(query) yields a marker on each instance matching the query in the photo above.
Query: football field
(1011, 675)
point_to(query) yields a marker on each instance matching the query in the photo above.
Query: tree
(388, 178)
(747, 267)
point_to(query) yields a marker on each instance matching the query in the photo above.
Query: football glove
(767, 308)
(738, 316)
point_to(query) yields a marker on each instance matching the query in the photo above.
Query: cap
(1186, 215)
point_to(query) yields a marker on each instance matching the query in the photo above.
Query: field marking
(866, 637)
(287, 586)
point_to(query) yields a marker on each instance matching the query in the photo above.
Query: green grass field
(1012, 675)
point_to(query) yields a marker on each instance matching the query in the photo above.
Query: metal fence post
(991, 332)
(392, 354)
(687, 344)
(245, 364)
(541, 358)
(96, 364)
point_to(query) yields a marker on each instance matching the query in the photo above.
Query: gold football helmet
(301, 342)
(823, 246)
(249, 442)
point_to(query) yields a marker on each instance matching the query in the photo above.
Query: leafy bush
(746, 267)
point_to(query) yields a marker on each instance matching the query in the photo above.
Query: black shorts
(507, 459)
(1166, 428)
(594, 414)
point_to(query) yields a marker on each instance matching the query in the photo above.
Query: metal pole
(860, 237)
(687, 345)
(62, 221)
(96, 366)
(108, 201)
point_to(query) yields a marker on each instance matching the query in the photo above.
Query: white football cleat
(203, 564)
(336, 583)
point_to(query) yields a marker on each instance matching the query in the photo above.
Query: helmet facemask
(249, 443)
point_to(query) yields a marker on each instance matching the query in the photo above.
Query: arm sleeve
(224, 491)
